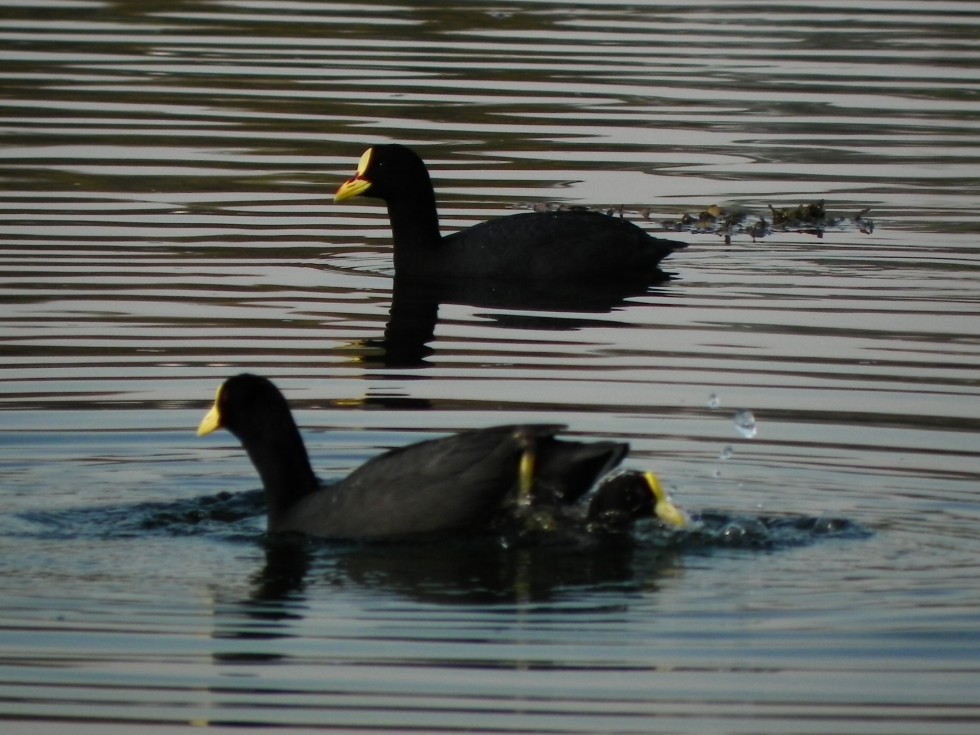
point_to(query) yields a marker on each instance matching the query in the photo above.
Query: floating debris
(805, 219)
(714, 401)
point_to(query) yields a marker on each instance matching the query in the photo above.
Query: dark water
(167, 172)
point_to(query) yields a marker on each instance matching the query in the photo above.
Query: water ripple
(167, 220)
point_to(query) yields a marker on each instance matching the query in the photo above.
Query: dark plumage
(459, 481)
(630, 496)
(571, 245)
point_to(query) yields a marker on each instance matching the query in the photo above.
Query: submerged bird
(629, 496)
(463, 480)
(570, 245)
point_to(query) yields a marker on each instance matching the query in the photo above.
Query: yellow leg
(525, 477)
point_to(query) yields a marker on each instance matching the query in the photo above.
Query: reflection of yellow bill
(663, 508)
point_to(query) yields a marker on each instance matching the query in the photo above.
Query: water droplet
(714, 401)
(726, 453)
(745, 423)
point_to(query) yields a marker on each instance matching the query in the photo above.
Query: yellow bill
(359, 184)
(212, 419)
(665, 510)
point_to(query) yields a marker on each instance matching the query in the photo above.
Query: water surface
(166, 220)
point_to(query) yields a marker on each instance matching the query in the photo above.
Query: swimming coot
(570, 245)
(458, 481)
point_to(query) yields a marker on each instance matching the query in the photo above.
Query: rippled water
(166, 221)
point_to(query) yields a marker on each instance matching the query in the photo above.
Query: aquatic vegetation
(806, 219)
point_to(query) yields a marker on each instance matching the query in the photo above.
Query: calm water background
(166, 220)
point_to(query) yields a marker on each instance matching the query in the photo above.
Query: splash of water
(745, 423)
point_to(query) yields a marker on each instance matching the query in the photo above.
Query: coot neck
(414, 222)
(284, 466)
